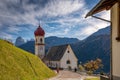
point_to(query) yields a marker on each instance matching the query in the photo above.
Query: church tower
(39, 42)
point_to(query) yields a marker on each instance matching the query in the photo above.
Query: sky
(62, 18)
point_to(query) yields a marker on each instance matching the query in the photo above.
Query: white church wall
(39, 46)
(52, 64)
(38, 39)
(36, 50)
(69, 55)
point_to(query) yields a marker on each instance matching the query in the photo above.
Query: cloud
(66, 31)
(4, 35)
(58, 18)
(81, 27)
(62, 7)
(105, 15)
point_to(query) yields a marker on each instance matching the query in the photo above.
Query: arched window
(68, 62)
(41, 40)
(68, 51)
(36, 40)
(56, 65)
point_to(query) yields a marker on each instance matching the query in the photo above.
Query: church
(61, 56)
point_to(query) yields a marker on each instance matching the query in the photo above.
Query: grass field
(92, 79)
(17, 64)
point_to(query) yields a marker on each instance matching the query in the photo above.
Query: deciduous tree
(93, 65)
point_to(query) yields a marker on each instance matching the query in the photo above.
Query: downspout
(111, 62)
(118, 37)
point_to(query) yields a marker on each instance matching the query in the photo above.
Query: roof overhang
(102, 5)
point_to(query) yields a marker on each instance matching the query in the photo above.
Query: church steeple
(39, 42)
(39, 31)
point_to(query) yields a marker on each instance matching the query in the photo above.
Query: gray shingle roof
(56, 53)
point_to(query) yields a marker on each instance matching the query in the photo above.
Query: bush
(81, 68)
(92, 66)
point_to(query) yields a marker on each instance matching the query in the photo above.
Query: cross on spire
(39, 23)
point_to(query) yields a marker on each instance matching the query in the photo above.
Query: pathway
(68, 75)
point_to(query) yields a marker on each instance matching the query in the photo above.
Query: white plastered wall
(69, 56)
(115, 43)
(39, 45)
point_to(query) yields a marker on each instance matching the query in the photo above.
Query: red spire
(39, 31)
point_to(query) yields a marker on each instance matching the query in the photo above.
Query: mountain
(54, 41)
(49, 42)
(17, 64)
(103, 31)
(19, 41)
(95, 46)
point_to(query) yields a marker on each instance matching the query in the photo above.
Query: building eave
(102, 5)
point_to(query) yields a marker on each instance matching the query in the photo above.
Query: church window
(68, 51)
(68, 62)
(50, 64)
(36, 40)
(56, 65)
(41, 40)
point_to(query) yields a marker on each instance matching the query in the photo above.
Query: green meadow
(17, 64)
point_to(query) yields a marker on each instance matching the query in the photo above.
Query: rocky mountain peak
(19, 41)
